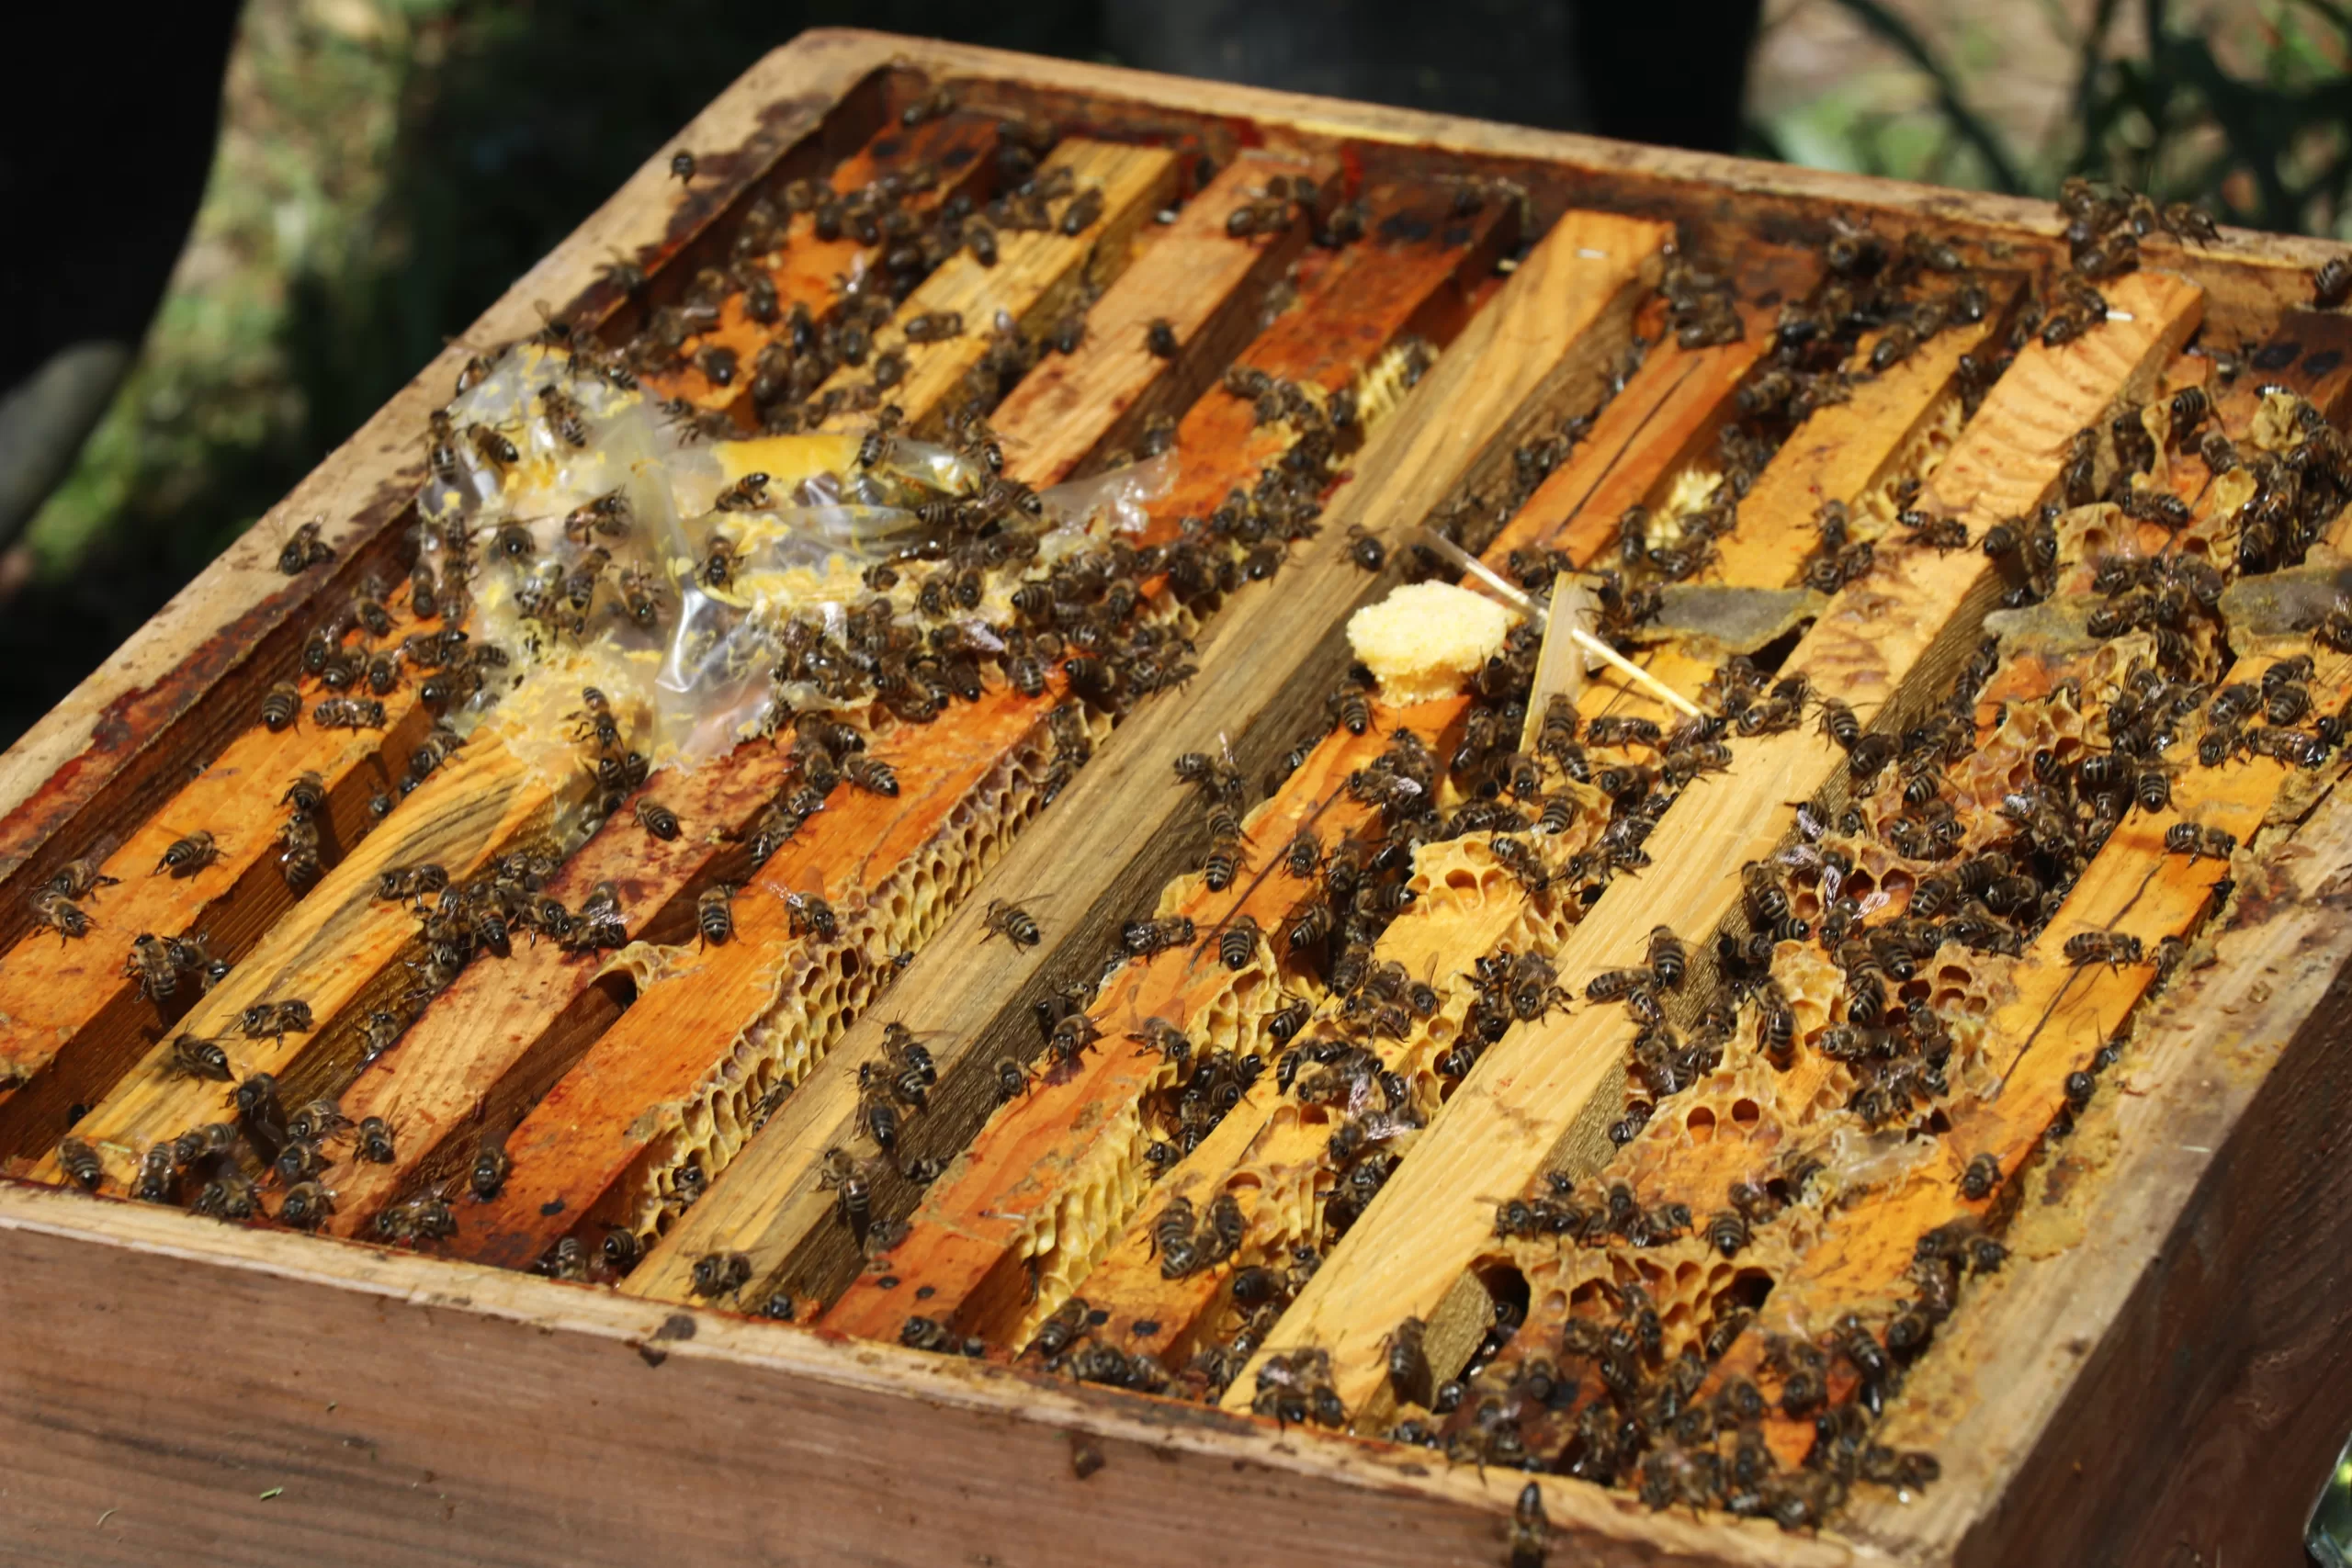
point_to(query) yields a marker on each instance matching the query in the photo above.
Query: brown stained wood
(1664, 420)
(1533, 1100)
(1028, 1176)
(1412, 275)
(1206, 285)
(59, 997)
(808, 270)
(1037, 275)
(490, 1045)
(2174, 1382)
(870, 856)
(398, 1445)
(1537, 351)
(1849, 449)
(339, 949)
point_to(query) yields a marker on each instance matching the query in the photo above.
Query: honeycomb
(821, 991)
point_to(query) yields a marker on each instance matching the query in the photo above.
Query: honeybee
(228, 1196)
(81, 1162)
(2110, 948)
(1531, 1531)
(608, 514)
(349, 713)
(307, 794)
(748, 493)
(298, 861)
(306, 1205)
(934, 326)
(196, 1058)
(1082, 213)
(1146, 939)
(564, 417)
(1015, 924)
(1978, 1181)
(487, 1176)
(1237, 944)
(657, 819)
(282, 708)
(150, 964)
(721, 1273)
(2332, 283)
(188, 854)
(807, 914)
(715, 915)
(682, 166)
(1160, 338)
(373, 1143)
(303, 549)
(2198, 841)
(55, 910)
(843, 1176)
(718, 364)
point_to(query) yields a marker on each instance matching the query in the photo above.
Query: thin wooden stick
(1632, 671)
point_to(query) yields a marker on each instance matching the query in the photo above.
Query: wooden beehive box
(2152, 1374)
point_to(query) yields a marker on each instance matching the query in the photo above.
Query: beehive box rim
(780, 103)
(282, 1279)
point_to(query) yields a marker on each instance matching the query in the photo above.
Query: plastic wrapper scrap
(610, 546)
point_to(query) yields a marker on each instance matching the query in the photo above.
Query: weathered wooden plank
(1038, 275)
(1534, 1099)
(808, 270)
(1537, 351)
(59, 997)
(339, 950)
(1206, 285)
(398, 1446)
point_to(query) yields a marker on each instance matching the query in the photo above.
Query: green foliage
(2251, 119)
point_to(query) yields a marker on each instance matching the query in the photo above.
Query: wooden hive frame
(289, 1399)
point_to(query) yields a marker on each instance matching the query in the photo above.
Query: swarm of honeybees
(566, 517)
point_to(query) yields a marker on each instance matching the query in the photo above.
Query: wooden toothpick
(1635, 674)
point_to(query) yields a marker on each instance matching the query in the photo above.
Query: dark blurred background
(364, 176)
